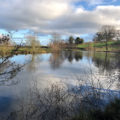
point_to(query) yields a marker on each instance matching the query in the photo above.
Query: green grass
(110, 43)
(101, 46)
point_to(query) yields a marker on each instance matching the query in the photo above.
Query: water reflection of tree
(70, 56)
(78, 56)
(117, 57)
(109, 65)
(31, 66)
(34, 62)
(8, 70)
(57, 59)
(106, 61)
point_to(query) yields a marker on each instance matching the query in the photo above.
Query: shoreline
(26, 50)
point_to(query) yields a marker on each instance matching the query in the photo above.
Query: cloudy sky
(66, 17)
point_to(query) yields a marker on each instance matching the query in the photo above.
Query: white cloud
(83, 21)
(47, 16)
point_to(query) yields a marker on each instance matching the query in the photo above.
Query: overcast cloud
(62, 16)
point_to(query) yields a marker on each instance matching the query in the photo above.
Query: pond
(70, 68)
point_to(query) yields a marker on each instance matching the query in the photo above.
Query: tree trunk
(106, 46)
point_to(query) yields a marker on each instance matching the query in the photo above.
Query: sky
(82, 18)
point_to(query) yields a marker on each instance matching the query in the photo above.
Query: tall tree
(71, 40)
(32, 42)
(106, 34)
(56, 42)
(79, 40)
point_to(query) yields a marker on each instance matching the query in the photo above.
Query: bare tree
(106, 33)
(4, 39)
(33, 42)
(56, 42)
(8, 69)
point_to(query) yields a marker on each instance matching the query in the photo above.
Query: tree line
(105, 34)
(76, 40)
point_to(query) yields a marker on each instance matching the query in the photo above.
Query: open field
(113, 46)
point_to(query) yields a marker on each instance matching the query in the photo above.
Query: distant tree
(32, 42)
(98, 37)
(79, 40)
(106, 34)
(56, 42)
(71, 40)
(4, 39)
(56, 37)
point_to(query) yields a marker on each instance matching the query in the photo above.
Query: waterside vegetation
(107, 39)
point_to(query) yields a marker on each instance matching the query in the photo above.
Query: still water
(68, 67)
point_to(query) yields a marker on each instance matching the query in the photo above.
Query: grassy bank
(113, 46)
(23, 50)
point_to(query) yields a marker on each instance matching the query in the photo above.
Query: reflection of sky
(44, 72)
(40, 71)
(19, 59)
(19, 37)
(22, 59)
(41, 68)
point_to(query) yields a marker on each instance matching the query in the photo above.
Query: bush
(111, 112)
